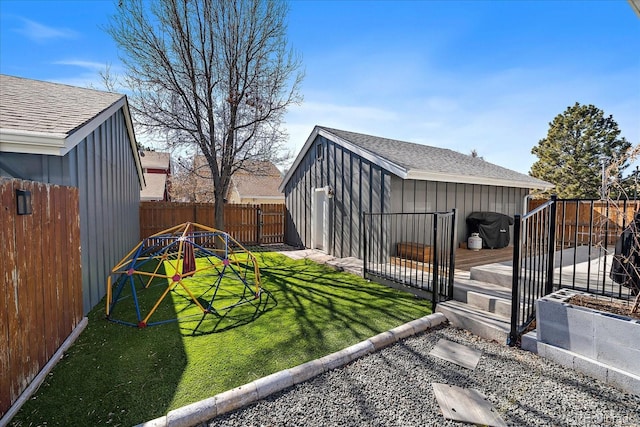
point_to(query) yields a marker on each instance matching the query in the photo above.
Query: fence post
(434, 256)
(259, 225)
(364, 244)
(452, 253)
(515, 282)
(552, 245)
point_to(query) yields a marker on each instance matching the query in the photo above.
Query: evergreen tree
(571, 155)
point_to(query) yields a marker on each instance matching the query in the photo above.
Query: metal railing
(533, 256)
(566, 243)
(411, 251)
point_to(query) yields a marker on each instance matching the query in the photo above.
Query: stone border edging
(230, 400)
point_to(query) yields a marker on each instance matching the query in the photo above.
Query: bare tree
(215, 74)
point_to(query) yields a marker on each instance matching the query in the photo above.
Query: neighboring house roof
(155, 188)
(408, 160)
(50, 118)
(258, 180)
(155, 160)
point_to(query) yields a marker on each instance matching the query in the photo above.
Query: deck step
(479, 322)
(498, 274)
(483, 296)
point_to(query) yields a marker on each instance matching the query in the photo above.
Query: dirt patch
(605, 304)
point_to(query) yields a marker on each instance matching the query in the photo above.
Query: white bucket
(474, 242)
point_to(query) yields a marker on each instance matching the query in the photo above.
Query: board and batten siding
(358, 185)
(431, 196)
(102, 167)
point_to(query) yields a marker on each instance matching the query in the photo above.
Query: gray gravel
(393, 388)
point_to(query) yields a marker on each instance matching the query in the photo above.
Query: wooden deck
(465, 258)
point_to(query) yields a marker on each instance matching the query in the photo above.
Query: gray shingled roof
(417, 158)
(49, 108)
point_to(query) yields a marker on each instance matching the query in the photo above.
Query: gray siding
(429, 196)
(103, 168)
(358, 185)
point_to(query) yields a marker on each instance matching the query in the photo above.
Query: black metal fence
(411, 251)
(532, 276)
(566, 243)
(586, 235)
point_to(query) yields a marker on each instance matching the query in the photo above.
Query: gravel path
(393, 388)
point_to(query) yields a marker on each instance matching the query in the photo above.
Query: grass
(120, 376)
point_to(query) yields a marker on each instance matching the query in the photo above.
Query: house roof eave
(21, 141)
(465, 179)
(59, 144)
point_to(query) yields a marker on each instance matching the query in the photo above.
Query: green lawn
(120, 376)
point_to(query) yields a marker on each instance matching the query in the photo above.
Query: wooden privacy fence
(40, 273)
(583, 222)
(248, 224)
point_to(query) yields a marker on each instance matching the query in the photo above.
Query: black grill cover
(492, 227)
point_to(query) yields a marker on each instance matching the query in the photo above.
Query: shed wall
(358, 186)
(430, 196)
(103, 168)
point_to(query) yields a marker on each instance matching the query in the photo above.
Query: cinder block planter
(609, 339)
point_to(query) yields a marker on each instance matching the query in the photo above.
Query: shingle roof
(422, 162)
(156, 185)
(155, 160)
(258, 179)
(434, 160)
(53, 108)
(50, 118)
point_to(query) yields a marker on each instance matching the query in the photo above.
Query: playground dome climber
(205, 269)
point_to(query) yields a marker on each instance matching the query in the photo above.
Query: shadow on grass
(112, 375)
(240, 314)
(320, 295)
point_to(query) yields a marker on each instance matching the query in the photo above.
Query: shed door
(319, 220)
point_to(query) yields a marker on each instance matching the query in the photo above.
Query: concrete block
(624, 381)
(361, 349)
(158, 422)
(617, 342)
(420, 325)
(559, 355)
(335, 360)
(306, 371)
(236, 398)
(192, 414)
(273, 383)
(529, 342)
(561, 325)
(403, 331)
(382, 340)
(436, 319)
(590, 368)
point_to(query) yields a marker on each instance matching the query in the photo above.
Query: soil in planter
(607, 305)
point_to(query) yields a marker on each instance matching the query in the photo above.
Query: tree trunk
(219, 213)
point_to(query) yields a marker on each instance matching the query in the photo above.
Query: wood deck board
(466, 258)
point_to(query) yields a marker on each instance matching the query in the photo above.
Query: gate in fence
(533, 255)
(411, 251)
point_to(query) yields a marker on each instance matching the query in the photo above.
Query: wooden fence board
(38, 289)
(247, 224)
(608, 219)
(7, 292)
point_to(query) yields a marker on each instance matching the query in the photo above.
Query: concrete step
(484, 324)
(498, 274)
(483, 296)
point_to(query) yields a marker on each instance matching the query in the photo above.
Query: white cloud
(89, 65)
(40, 33)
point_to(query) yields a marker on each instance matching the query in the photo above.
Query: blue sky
(483, 75)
